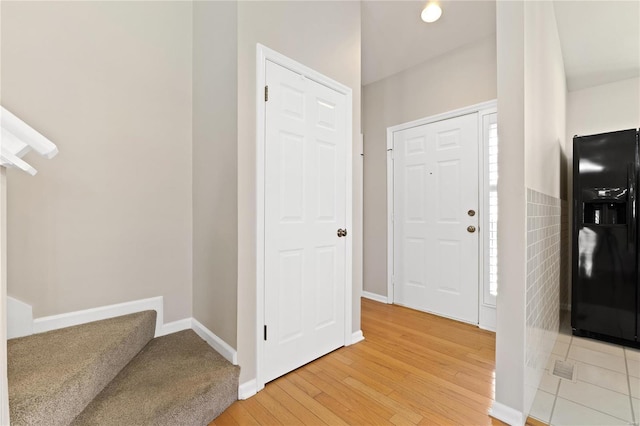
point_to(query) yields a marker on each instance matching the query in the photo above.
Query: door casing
(482, 109)
(263, 54)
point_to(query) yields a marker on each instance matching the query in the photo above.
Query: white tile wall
(543, 286)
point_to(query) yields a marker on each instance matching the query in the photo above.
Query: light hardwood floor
(412, 369)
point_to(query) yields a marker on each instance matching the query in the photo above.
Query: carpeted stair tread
(177, 379)
(54, 375)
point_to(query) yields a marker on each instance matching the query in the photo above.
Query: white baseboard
(356, 337)
(215, 342)
(507, 414)
(21, 322)
(175, 326)
(19, 318)
(247, 389)
(54, 322)
(373, 296)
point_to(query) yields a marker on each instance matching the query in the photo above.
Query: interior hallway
(412, 368)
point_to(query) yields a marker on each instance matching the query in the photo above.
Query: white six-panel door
(435, 203)
(305, 205)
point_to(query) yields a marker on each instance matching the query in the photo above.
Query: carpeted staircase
(113, 372)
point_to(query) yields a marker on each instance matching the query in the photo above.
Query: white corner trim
(247, 389)
(215, 342)
(506, 414)
(175, 326)
(374, 296)
(19, 318)
(69, 319)
(356, 337)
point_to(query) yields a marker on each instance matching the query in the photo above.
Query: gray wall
(326, 37)
(512, 207)
(215, 201)
(109, 219)
(460, 78)
(531, 108)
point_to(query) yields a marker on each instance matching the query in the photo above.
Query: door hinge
(265, 332)
(390, 151)
(266, 96)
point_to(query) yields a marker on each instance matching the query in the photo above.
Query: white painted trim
(481, 109)
(222, 347)
(506, 414)
(247, 389)
(19, 318)
(263, 54)
(444, 116)
(54, 322)
(486, 299)
(175, 326)
(373, 296)
(488, 318)
(261, 78)
(348, 282)
(356, 337)
(390, 215)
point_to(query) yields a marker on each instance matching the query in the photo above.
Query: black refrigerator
(605, 296)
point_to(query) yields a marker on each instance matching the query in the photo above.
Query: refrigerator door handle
(631, 206)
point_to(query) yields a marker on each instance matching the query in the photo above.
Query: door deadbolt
(471, 228)
(471, 212)
(342, 232)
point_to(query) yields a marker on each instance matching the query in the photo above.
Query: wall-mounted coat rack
(18, 138)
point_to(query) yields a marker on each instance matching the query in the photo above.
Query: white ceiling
(394, 38)
(600, 39)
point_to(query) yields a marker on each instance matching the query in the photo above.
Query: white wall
(460, 78)
(324, 36)
(110, 220)
(531, 127)
(545, 94)
(215, 165)
(510, 19)
(605, 108)
(545, 163)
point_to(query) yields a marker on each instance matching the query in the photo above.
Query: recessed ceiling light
(431, 13)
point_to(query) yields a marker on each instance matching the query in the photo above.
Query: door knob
(471, 212)
(342, 232)
(471, 228)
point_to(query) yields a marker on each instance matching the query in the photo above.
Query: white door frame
(482, 109)
(264, 54)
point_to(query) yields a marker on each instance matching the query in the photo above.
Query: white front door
(435, 217)
(305, 205)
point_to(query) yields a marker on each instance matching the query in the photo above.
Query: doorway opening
(442, 214)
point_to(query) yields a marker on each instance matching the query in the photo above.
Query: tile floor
(606, 390)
